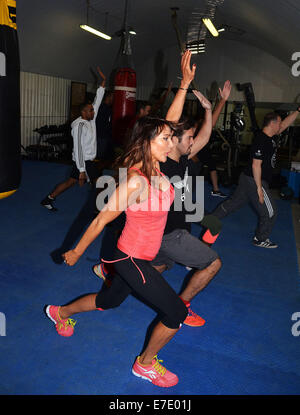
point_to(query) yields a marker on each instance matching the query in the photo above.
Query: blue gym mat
(246, 346)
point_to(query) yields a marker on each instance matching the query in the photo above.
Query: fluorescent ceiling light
(221, 30)
(209, 24)
(95, 32)
(196, 47)
(132, 31)
(195, 50)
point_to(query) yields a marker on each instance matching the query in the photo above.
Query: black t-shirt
(104, 131)
(104, 122)
(178, 173)
(263, 148)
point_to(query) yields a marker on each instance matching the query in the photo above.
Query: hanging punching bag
(10, 131)
(124, 105)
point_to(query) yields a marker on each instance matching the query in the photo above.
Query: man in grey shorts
(182, 247)
(178, 244)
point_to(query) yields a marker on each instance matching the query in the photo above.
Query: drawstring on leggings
(122, 259)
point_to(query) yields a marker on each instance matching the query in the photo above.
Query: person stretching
(84, 148)
(144, 187)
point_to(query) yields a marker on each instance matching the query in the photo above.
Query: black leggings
(156, 292)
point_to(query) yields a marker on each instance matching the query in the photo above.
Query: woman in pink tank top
(145, 195)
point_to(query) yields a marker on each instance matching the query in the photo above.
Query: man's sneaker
(217, 193)
(47, 203)
(155, 373)
(64, 327)
(264, 244)
(102, 272)
(193, 319)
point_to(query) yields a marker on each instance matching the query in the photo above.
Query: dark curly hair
(184, 124)
(138, 147)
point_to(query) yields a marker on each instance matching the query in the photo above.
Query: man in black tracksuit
(254, 182)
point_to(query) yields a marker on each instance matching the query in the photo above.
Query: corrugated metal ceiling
(51, 27)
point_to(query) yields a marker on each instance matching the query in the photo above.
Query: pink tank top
(145, 223)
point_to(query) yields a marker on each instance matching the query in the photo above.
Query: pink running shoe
(155, 373)
(64, 327)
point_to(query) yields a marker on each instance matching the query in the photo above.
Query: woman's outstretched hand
(188, 72)
(70, 257)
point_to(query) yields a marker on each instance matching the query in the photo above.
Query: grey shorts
(182, 247)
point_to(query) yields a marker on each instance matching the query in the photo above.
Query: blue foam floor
(246, 346)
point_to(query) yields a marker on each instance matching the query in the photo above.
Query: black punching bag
(10, 130)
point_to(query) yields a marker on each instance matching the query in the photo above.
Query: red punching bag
(124, 106)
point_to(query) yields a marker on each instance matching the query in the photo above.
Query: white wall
(45, 99)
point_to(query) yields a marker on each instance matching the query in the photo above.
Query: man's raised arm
(99, 93)
(204, 133)
(289, 120)
(224, 95)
